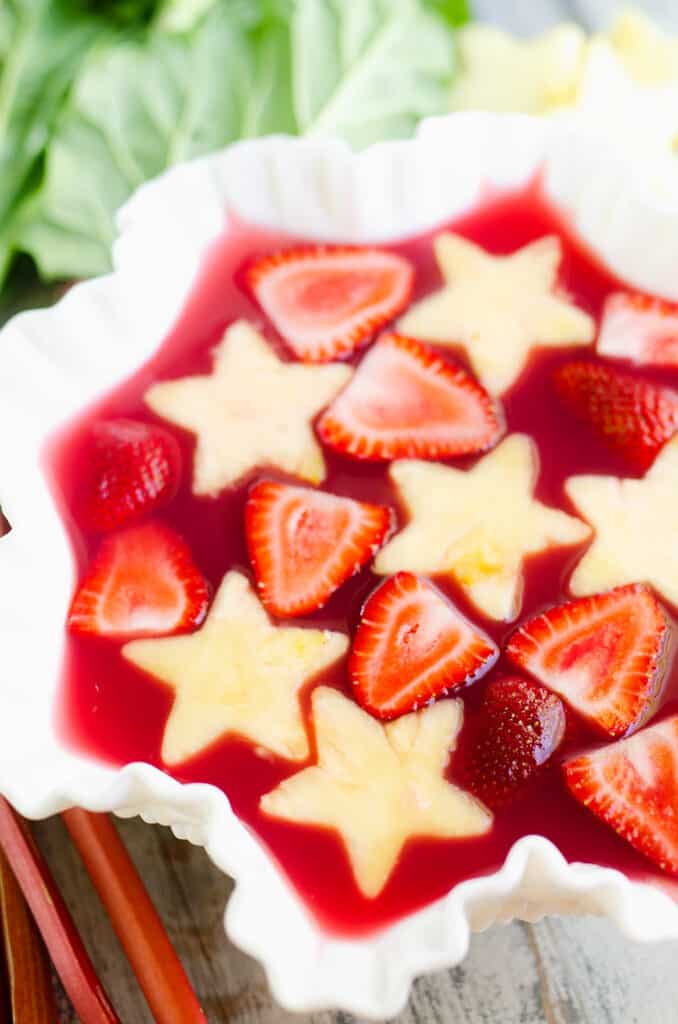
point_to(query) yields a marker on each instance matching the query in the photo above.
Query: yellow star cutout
(253, 410)
(477, 525)
(237, 674)
(379, 785)
(498, 307)
(531, 76)
(649, 55)
(636, 528)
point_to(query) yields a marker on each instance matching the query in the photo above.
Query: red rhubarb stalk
(31, 997)
(134, 918)
(52, 917)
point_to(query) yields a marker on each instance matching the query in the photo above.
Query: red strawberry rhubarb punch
(383, 543)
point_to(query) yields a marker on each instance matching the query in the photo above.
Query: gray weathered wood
(530, 16)
(556, 972)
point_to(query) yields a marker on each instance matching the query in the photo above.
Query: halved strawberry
(405, 401)
(631, 415)
(142, 582)
(632, 785)
(304, 544)
(326, 300)
(412, 646)
(518, 727)
(602, 654)
(131, 470)
(641, 328)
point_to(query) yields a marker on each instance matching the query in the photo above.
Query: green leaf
(41, 44)
(359, 69)
(140, 107)
(457, 12)
(368, 69)
(182, 15)
(120, 12)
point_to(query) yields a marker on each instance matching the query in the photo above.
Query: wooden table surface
(557, 972)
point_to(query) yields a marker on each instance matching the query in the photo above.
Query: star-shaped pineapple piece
(253, 410)
(238, 674)
(498, 307)
(379, 785)
(649, 55)
(636, 528)
(477, 525)
(532, 76)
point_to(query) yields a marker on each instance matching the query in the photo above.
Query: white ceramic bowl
(56, 361)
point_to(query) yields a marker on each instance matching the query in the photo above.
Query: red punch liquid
(111, 711)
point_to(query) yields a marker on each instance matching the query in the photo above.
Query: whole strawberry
(133, 469)
(627, 413)
(519, 726)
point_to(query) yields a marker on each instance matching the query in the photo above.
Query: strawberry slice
(412, 646)
(630, 415)
(602, 654)
(142, 582)
(641, 328)
(632, 785)
(304, 544)
(327, 300)
(405, 401)
(519, 726)
(132, 469)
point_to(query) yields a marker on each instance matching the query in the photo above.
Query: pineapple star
(239, 674)
(497, 307)
(379, 785)
(636, 528)
(252, 410)
(649, 55)
(477, 525)
(531, 76)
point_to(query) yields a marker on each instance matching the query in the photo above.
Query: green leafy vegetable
(138, 109)
(42, 43)
(367, 70)
(181, 15)
(455, 11)
(207, 72)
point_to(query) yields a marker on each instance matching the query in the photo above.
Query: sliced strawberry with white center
(405, 401)
(304, 544)
(326, 300)
(632, 785)
(602, 654)
(412, 646)
(142, 582)
(630, 415)
(641, 328)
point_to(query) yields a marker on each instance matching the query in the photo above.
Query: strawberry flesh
(602, 654)
(326, 301)
(141, 582)
(406, 401)
(519, 726)
(305, 544)
(628, 414)
(641, 328)
(413, 646)
(133, 469)
(632, 785)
